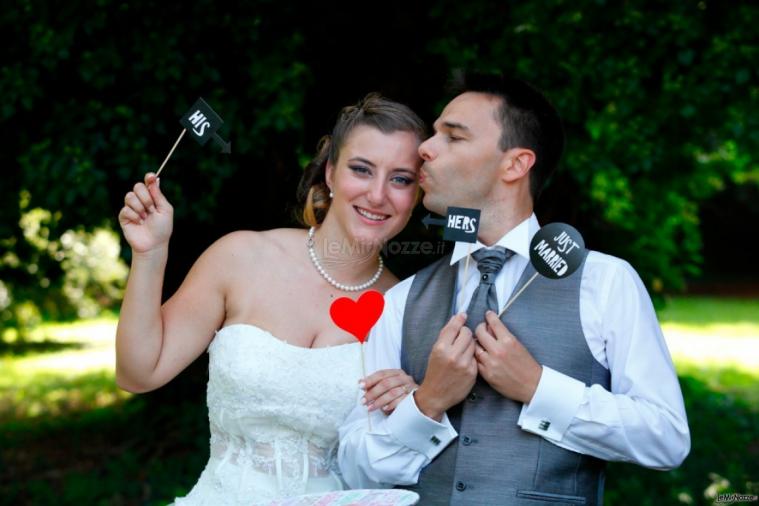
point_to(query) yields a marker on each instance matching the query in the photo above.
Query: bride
(282, 376)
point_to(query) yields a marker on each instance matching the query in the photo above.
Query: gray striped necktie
(489, 263)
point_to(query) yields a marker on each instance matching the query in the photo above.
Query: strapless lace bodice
(274, 411)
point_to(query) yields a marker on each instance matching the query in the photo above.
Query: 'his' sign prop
(202, 122)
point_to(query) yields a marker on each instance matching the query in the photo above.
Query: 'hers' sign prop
(461, 224)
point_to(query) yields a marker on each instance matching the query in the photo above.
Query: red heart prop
(358, 317)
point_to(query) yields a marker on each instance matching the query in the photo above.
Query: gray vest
(494, 461)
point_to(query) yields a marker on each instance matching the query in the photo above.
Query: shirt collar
(517, 239)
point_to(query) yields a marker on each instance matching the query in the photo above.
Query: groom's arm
(641, 419)
(398, 446)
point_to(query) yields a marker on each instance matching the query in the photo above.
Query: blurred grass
(70, 436)
(61, 368)
(716, 340)
(714, 343)
(712, 316)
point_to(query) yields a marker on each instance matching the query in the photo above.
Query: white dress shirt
(641, 420)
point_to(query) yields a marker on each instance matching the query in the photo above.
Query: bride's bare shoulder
(284, 240)
(249, 242)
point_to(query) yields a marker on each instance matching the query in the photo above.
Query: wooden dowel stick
(170, 152)
(466, 273)
(517, 294)
(363, 370)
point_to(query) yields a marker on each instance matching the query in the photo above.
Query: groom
(524, 409)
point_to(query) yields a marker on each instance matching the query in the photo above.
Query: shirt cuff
(554, 405)
(417, 431)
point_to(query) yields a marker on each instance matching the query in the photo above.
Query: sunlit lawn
(716, 341)
(69, 366)
(66, 367)
(66, 370)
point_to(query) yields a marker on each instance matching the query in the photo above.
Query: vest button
(466, 440)
(460, 486)
(472, 397)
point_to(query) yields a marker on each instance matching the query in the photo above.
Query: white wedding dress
(274, 411)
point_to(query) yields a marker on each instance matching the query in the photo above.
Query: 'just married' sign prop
(556, 251)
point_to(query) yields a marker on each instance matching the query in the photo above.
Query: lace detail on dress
(274, 412)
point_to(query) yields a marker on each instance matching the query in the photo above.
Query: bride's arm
(154, 343)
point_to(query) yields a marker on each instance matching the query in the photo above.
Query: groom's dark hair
(527, 119)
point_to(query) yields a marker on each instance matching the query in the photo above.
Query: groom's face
(462, 159)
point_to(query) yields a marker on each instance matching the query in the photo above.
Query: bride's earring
(331, 194)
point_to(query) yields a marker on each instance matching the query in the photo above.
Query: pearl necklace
(330, 279)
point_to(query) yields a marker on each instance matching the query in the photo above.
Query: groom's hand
(451, 370)
(504, 362)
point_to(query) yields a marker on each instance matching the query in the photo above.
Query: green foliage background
(655, 97)
(659, 101)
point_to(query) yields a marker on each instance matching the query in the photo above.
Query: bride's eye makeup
(401, 177)
(404, 180)
(360, 169)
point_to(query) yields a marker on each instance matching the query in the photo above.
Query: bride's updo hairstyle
(375, 111)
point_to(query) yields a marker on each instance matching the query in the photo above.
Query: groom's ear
(516, 164)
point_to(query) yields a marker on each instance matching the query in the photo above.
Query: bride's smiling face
(375, 183)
